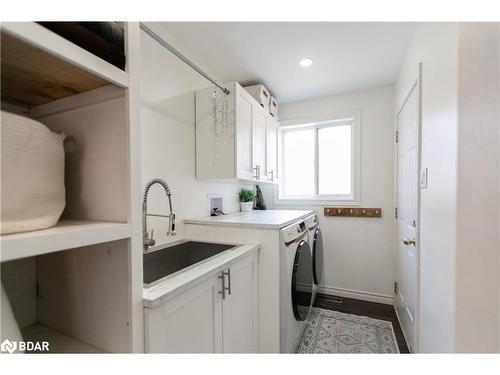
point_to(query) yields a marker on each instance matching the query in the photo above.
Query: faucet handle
(171, 224)
(149, 240)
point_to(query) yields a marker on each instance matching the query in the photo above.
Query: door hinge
(395, 212)
(397, 136)
(396, 288)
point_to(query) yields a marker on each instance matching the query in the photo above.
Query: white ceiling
(347, 56)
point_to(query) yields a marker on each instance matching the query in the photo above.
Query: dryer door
(302, 281)
(317, 257)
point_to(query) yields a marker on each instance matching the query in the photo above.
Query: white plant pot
(246, 206)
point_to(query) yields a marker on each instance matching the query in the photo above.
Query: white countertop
(270, 219)
(172, 286)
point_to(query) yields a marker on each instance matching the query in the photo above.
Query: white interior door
(407, 215)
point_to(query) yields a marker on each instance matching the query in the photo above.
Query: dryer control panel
(312, 221)
(294, 231)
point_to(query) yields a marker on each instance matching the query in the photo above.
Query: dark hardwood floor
(370, 309)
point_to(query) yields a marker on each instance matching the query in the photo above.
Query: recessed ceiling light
(306, 62)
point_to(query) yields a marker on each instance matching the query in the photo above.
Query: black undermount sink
(170, 259)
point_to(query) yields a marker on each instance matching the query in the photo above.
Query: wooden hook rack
(353, 211)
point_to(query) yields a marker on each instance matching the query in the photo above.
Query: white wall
(459, 233)
(19, 281)
(477, 304)
(359, 252)
(168, 137)
(435, 45)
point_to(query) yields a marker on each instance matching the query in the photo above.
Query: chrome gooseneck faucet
(147, 240)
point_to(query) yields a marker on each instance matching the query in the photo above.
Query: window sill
(315, 202)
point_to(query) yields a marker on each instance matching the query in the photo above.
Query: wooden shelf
(67, 234)
(39, 66)
(58, 341)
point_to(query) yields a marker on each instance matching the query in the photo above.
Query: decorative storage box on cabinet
(273, 107)
(260, 94)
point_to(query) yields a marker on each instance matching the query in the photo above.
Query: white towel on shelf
(32, 175)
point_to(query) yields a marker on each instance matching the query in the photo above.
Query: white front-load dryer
(316, 245)
(296, 283)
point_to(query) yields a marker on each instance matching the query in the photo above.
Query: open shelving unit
(74, 282)
(39, 66)
(67, 234)
(59, 342)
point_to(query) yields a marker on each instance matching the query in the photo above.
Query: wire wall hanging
(222, 117)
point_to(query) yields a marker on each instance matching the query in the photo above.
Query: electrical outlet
(215, 203)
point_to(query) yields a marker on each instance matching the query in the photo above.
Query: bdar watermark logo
(8, 346)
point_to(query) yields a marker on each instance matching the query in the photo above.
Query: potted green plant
(246, 200)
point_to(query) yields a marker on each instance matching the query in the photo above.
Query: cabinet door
(240, 308)
(272, 149)
(259, 140)
(188, 323)
(244, 166)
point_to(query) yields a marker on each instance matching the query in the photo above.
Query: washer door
(317, 257)
(302, 281)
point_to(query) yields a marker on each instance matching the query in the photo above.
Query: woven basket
(32, 175)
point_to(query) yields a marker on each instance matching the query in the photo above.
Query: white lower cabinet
(188, 323)
(219, 314)
(240, 308)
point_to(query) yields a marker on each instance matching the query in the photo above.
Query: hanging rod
(188, 62)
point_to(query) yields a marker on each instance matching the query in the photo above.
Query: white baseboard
(364, 296)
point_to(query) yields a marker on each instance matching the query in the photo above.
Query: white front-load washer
(296, 282)
(316, 244)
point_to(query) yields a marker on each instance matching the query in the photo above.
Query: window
(320, 160)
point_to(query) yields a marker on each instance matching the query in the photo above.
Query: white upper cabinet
(232, 136)
(259, 141)
(272, 149)
(244, 147)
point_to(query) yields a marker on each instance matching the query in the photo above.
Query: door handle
(272, 175)
(257, 172)
(408, 242)
(223, 291)
(228, 273)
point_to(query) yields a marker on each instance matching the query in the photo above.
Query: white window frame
(345, 118)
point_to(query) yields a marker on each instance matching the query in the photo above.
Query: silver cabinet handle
(257, 172)
(272, 175)
(223, 291)
(228, 273)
